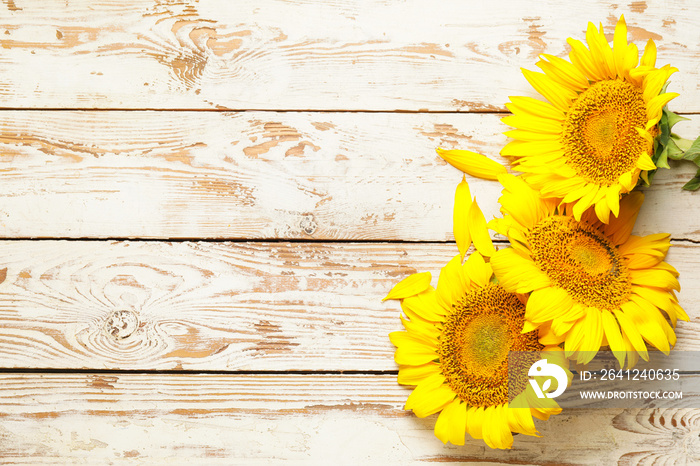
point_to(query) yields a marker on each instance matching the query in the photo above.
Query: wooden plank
(261, 175)
(224, 306)
(378, 55)
(358, 419)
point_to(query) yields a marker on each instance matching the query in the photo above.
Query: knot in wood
(308, 224)
(121, 323)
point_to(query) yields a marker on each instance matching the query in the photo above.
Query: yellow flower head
(591, 284)
(457, 341)
(590, 143)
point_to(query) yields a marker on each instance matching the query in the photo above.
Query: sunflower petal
(531, 148)
(520, 420)
(601, 51)
(442, 425)
(452, 424)
(452, 282)
(422, 330)
(602, 211)
(560, 327)
(645, 163)
(656, 105)
(412, 354)
(620, 228)
(655, 277)
(656, 244)
(472, 163)
(631, 334)
(425, 305)
(413, 375)
(592, 335)
(652, 314)
(560, 96)
(517, 274)
(479, 232)
(410, 286)
(585, 202)
(478, 271)
(649, 57)
(573, 338)
(458, 423)
(620, 46)
(581, 57)
(496, 431)
(535, 107)
(430, 396)
(613, 335)
(475, 422)
(521, 201)
(612, 197)
(563, 72)
(653, 83)
(528, 126)
(647, 327)
(547, 304)
(463, 202)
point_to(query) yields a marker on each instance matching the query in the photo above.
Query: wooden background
(202, 204)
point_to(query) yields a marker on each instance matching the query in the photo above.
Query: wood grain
(262, 175)
(343, 419)
(288, 124)
(224, 306)
(282, 55)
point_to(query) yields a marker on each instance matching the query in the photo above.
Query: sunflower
(457, 342)
(590, 143)
(591, 284)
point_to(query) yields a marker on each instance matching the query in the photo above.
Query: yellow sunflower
(457, 342)
(591, 284)
(589, 144)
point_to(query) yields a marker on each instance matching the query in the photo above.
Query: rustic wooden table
(202, 204)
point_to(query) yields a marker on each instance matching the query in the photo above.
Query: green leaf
(658, 149)
(662, 160)
(673, 118)
(693, 152)
(693, 184)
(665, 128)
(682, 143)
(650, 177)
(673, 152)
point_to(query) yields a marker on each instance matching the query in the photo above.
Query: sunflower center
(581, 260)
(486, 344)
(591, 255)
(475, 342)
(600, 138)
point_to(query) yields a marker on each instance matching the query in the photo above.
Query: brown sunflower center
(475, 342)
(599, 135)
(581, 260)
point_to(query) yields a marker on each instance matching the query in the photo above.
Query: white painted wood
(224, 306)
(326, 175)
(302, 419)
(349, 55)
(262, 175)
